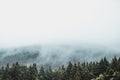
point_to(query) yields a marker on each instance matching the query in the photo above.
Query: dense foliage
(101, 70)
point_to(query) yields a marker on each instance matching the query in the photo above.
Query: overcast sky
(26, 22)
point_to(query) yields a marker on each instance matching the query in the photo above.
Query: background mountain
(56, 55)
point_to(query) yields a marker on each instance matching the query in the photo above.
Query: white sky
(24, 22)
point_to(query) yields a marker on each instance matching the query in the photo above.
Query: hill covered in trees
(95, 70)
(56, 55)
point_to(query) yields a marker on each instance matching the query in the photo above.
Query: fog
(52, 32)
(28, 22)
(56, 56)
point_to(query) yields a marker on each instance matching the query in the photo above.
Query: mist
(54, 32)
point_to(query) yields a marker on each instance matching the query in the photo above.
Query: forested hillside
(98, 70)
(55, 55)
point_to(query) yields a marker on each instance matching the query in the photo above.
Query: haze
(27, 22)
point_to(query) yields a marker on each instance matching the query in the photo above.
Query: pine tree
(114, 64)
(33, 72)
(42, 74)
(68, 75)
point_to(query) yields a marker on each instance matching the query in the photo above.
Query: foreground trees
(102, 70)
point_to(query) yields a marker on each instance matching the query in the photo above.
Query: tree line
(96, 70)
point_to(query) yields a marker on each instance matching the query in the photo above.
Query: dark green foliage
(102, 70)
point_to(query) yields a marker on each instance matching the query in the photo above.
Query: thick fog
(28, 22)
(52, 32)
(56, 55)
